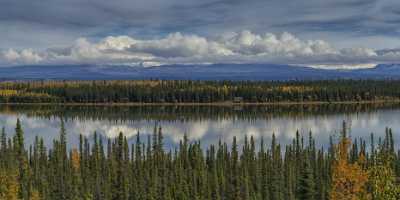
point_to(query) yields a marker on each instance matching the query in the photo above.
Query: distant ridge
(195, 72)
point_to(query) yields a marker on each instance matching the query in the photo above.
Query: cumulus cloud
(247, 43)
(178, 48)
(26, 56)
(178, 45)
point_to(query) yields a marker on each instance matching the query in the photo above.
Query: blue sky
(154, 32)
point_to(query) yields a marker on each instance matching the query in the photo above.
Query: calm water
(205, 123)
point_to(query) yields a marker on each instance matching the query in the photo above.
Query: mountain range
(196, 72)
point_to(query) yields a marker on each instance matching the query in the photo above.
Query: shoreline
(214, 103)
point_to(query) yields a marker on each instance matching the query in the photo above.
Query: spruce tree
(306, 184)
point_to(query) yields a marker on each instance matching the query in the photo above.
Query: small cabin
(237, 99)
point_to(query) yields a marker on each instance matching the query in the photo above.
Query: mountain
(195, 72)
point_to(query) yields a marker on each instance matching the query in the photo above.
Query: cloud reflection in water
(209, 131)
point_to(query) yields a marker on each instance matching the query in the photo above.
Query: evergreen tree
(147, 171)
(306, 185)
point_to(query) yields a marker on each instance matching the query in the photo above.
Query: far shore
(283, 103)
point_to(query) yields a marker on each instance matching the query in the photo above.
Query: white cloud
(177, 48)
(116, 43)
(83, 50)
(178, 45)
(359, 52)
(25, 56)
(247, 43)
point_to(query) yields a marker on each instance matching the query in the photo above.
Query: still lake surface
(205, 123)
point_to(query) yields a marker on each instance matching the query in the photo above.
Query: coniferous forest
(200, 100)
(98, 168)
(172, 91)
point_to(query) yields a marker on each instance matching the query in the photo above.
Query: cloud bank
(178, 48)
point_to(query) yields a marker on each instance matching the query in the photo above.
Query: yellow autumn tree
(9, 187)
(75, 192)
(349, 180)
(75, 160)
(35, 195)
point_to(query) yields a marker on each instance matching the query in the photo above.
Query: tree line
(185, 91)
(189, 112)
(113, 169)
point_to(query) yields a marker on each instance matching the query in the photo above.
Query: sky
(158, 32)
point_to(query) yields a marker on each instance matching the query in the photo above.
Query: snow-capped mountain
(200, 72)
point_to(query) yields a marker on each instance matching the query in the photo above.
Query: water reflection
(205, 123)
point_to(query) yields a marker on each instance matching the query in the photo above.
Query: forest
(111, 168)
(185, 91)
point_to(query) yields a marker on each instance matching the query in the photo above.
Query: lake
(205, 123)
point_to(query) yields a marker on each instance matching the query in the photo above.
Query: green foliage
(306, 185)
(382, 178)
(245, 170)
(184, 91)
